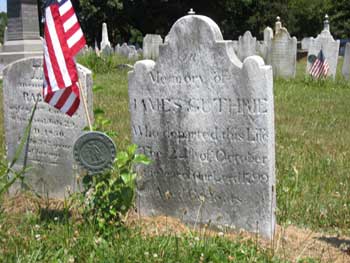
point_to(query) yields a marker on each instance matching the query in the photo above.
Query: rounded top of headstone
(194, 28)
(191, 12)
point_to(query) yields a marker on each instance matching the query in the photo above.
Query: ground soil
(291, 242)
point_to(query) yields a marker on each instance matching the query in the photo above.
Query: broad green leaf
(141, 158)
(131, 149)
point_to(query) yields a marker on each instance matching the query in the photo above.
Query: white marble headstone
(329, 46)
(207, 121)
(150, 46)
(105, 41)
(283, 54)
(246, 46)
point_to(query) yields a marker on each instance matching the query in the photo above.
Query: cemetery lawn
(312, 121)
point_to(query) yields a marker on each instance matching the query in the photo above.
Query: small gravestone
(50, 148)
(329, 46)
(207, 121)
(305, 43)
(124, 50)
(283, 52)
(105, 41)
(150, 46)
(246, 46)
(117, 49)
(265, 48)
(262, 49)
(133, 55)
(346, 63)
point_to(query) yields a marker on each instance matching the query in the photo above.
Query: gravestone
(265, 48)
(124, 50)
(117, 49)
(105, 41)
(22, 37)
(150, 46)
(246, 46)
(329, 46)
(346, 63)
(283, 53)
(133, 53)
(207, 121)
(49, 153)
(305, 43)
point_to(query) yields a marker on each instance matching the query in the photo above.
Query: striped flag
(319, 67)
(63, 39)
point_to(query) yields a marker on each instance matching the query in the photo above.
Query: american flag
(320, 66)
(63, 39)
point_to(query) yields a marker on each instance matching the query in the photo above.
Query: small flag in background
(63, 39)
(320, 66)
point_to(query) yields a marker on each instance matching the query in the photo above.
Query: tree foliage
(3, 24)
(129, 20)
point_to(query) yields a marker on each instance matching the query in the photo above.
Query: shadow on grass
(53, 215)
(340, 243)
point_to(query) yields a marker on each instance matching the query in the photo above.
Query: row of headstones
(279, 49)
(203, 117)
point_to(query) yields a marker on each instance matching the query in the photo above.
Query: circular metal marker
(311, 58)
(94, 151)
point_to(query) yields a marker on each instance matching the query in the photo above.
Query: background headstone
(133, 53)
(150, 46)
(207, 121)
(305, 42)
(330, 48)
(346, 63)
(283, 54)
(246, 46)
(53, 133)
(124, 50)
(105, 41)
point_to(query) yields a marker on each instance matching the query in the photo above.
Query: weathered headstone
(22, 38)
(133, 53)
(117, 49)
(124, 50)
(329, 46)
(49, 153)
(246, 46)
(207, 121)
(305, 43)
(105, 41)
(265, 48)
(346, 63)
(283, 52)
(150, 46)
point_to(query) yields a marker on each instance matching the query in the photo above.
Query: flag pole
(85, 104)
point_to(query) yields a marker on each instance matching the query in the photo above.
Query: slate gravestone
(329, 46)
(207, 121)
(246, 46)
(53, 133)
(283, 54)
(150, 46)
(346, 63)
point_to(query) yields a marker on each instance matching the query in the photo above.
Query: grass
(31, 239)
(313, 184)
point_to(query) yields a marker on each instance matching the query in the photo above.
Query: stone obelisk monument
(23, 38)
